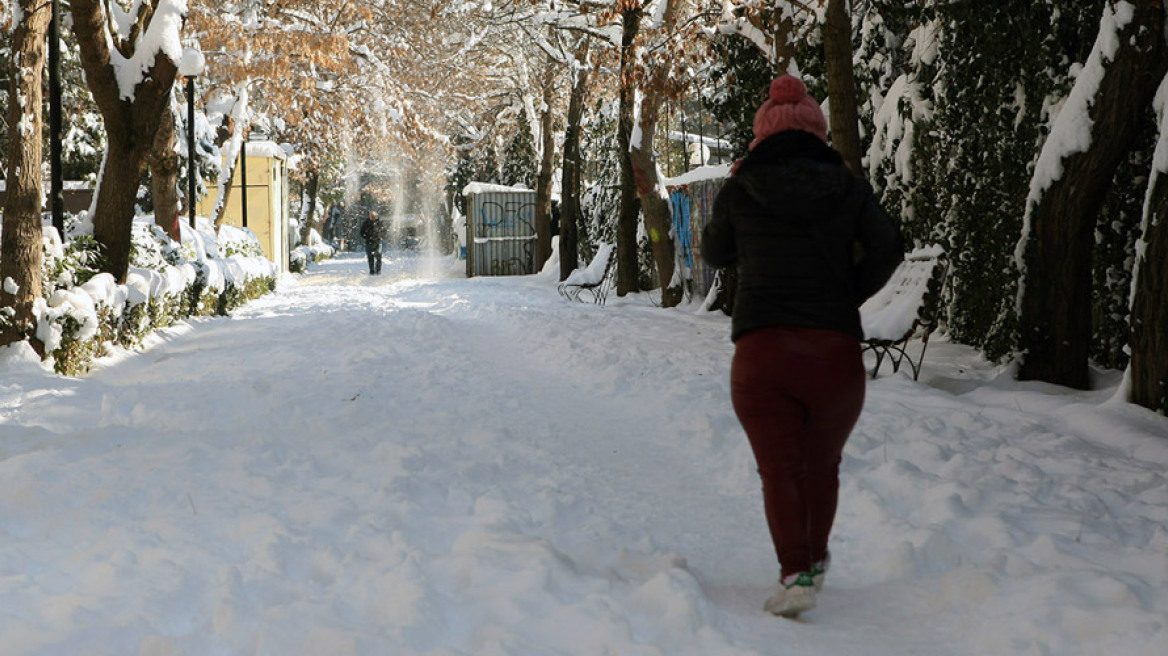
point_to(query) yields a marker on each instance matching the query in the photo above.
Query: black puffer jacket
(370, 231)
(808, 238)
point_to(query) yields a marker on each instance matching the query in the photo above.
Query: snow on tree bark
(229, 138)
(1091, 136)
(132, 87)
(627, 270)
(769, 26)
(571, 214)
(21, 238)
(655, 64)
(1148, 369)
(654, 202)
(543, 181)
(308, 204)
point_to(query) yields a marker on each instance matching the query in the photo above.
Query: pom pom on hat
(788, 107)
(787, 90)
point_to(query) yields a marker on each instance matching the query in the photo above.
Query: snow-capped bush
(314, 251)
(85, 311)
(152, 248)
(68, 264)
(238, 241)
(298, 260)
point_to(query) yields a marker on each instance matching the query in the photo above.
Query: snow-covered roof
(694, 137)
(485, 187)
(266, 149)
(700, 173)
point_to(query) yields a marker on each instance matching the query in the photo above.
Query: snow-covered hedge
(85, 311)
(314, 251)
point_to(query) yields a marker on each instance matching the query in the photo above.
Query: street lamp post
(243, 176)
(56, 198)
(190, 67)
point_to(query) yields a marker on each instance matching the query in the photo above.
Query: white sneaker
(819, 572)
(793, 595)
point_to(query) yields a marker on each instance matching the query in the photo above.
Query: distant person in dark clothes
(333, 221)
(372, 234)
(789, 219)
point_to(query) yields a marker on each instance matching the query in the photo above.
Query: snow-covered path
(440, 466)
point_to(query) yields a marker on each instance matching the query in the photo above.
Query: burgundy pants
(798, 392)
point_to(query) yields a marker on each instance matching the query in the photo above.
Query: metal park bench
(907, 306)
(594, 279)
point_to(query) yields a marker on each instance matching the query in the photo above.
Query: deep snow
(434, 465)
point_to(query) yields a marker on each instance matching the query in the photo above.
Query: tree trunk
(655, 207)
(1055, 321)
(164, 176)
(311, 185)
(627, 269)
(784, 54)
(225, 135)
(113, 208)
(130, 127)
(543, 181)
(571, 214)
(841, 84)
(219, 213)
(21, 244)
(1149, 315)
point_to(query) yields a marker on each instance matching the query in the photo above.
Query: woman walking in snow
(789, 219)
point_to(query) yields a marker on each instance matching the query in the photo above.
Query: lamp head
(192, 62)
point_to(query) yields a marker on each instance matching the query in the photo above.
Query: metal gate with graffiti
(500, 225)
(693, 206)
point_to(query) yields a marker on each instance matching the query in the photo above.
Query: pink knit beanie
(788, 107)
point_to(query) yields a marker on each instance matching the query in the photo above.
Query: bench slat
(907, 306)
(594, 279)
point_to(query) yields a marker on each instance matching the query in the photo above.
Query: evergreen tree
(896, 79)
(519, 161)
(83, 136)
(488, 164)
(987, 140)
(994, 116)
(600, 200)
(1114, 258)
(885, 71)
(83, 139)
(741, 76)
(973, 89)
(463, 172)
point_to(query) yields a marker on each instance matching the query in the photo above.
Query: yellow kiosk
(263, 166)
